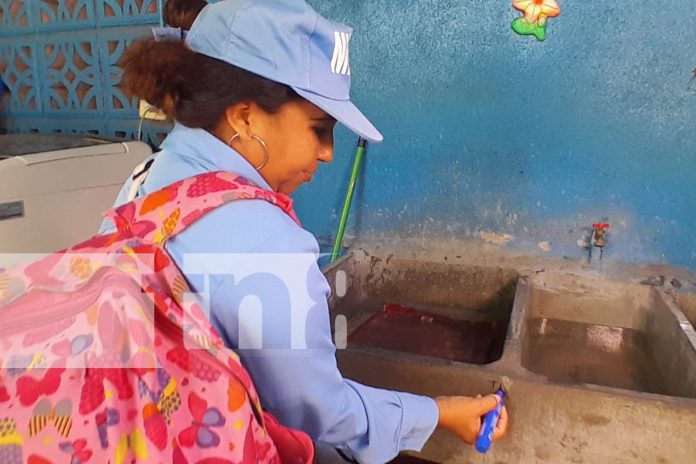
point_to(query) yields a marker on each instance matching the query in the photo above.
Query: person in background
(178, 16)
(182, 13)
(256, 89)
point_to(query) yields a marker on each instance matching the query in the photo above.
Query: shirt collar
(210, 152)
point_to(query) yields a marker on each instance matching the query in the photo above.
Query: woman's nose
(325, 154)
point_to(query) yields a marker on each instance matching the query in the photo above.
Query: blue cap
(288, 42)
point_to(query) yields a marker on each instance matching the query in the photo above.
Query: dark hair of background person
(182, 13)
(191, 88)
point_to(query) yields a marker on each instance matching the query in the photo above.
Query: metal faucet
(598, 238)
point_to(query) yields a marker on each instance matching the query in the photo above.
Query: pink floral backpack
(106, 358)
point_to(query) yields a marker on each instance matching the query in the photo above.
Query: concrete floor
(560, 413)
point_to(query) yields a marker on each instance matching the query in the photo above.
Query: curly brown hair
(191, 88)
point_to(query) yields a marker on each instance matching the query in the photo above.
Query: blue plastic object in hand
(485, 437)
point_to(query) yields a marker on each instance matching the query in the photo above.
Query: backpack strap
(162, 214)
(138, 177)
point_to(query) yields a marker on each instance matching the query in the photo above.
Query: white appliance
(55, 187)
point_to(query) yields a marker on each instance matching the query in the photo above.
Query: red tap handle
(602, 225)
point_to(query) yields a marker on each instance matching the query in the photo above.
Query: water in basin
(575, 353)
(400, 328)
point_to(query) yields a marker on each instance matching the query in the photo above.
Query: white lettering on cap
(340, 60)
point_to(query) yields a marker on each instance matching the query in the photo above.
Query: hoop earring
(258, 139)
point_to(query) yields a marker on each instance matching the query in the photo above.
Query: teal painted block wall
(59, 59)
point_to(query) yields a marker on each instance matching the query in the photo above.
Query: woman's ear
(238, 117)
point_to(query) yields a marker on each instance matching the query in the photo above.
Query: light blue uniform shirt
(303, 388)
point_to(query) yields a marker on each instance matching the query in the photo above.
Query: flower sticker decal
(535, 14)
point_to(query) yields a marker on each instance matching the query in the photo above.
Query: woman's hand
(462, 415)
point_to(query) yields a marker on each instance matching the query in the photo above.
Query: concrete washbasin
(619, 335)
(435, 310)
(604, 370)
(687, 303)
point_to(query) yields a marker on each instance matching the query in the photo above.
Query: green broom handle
(359, 153)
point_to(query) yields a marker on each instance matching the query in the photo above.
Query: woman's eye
(322, 132)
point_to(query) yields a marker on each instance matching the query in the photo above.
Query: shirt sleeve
(273, 307)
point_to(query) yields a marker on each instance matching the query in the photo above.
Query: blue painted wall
(487, 131)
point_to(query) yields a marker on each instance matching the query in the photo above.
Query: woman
(179, 16)
(182, 13)
(257, 89)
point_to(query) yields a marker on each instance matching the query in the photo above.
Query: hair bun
(157, 71)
